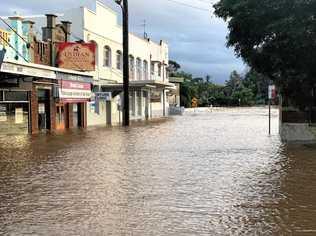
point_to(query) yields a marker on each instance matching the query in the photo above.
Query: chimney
(67, 29)
(15, 39)
(16, 23)
(49, 35)
(51, 21)
(28, 27)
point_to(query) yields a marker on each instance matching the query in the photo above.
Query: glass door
(60, 117)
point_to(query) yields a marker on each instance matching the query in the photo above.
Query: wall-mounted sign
(74, 90)
(76, 56)
(105, 96)
(27, 70)
(72, 77)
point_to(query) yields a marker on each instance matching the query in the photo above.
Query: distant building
(175, 97)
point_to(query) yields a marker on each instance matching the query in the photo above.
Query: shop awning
(145, 84)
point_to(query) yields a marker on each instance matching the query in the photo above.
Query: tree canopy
(238, 90)
(276, 38)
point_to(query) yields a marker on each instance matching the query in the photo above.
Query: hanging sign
(74, 90)
(105, 96)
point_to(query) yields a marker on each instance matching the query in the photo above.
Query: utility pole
(124, 6)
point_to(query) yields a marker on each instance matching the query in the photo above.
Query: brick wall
(34, 111)
(34, 129)
(42, 53)
(52, 112)
(70, 116)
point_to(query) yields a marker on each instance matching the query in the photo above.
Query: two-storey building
(148, 61)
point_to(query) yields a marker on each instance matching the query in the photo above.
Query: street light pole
(124, 6)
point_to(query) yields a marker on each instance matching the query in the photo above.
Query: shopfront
(73, 94)
(14, 112)
(20, 100)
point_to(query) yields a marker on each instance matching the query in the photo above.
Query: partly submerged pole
(126, 120)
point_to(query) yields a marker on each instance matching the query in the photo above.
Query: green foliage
(237, 91)
(277, 39)
(173, 67)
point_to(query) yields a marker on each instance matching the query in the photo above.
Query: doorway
(108, 113)
(60, 117)
(75, 115)
(43, 96)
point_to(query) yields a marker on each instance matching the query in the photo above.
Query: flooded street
(205, 173)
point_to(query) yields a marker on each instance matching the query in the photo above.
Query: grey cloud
(196, 38)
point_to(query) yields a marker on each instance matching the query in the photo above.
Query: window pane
(16, 96)
(14, 118)
(119, 60)
(107, 56)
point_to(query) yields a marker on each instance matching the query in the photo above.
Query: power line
(23, 39)
(188, 5)
(205, 1)
(17, 52)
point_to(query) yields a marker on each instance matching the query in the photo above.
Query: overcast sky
(196, 38)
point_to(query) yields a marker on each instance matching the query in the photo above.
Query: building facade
(36, 96)
(149, 84)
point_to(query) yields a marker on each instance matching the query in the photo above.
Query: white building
(148, 67)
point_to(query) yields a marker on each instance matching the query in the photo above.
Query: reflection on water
(204, 173)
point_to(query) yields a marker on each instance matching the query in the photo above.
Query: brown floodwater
(205, 173)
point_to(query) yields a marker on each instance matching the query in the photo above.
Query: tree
(258, 84)
(277, 39)
(208, 79)
(173, 67)
(238, 90)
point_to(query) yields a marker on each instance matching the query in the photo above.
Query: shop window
(15, 96)
(60, 117)
(14, 118)
(75, 115)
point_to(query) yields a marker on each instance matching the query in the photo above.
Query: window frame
(107, 56)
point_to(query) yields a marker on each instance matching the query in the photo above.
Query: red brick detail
(85, 120)
(52, 112)
(42, 53)
(34, 111)
(70, 116)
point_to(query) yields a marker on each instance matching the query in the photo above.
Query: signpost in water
(272, 95)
